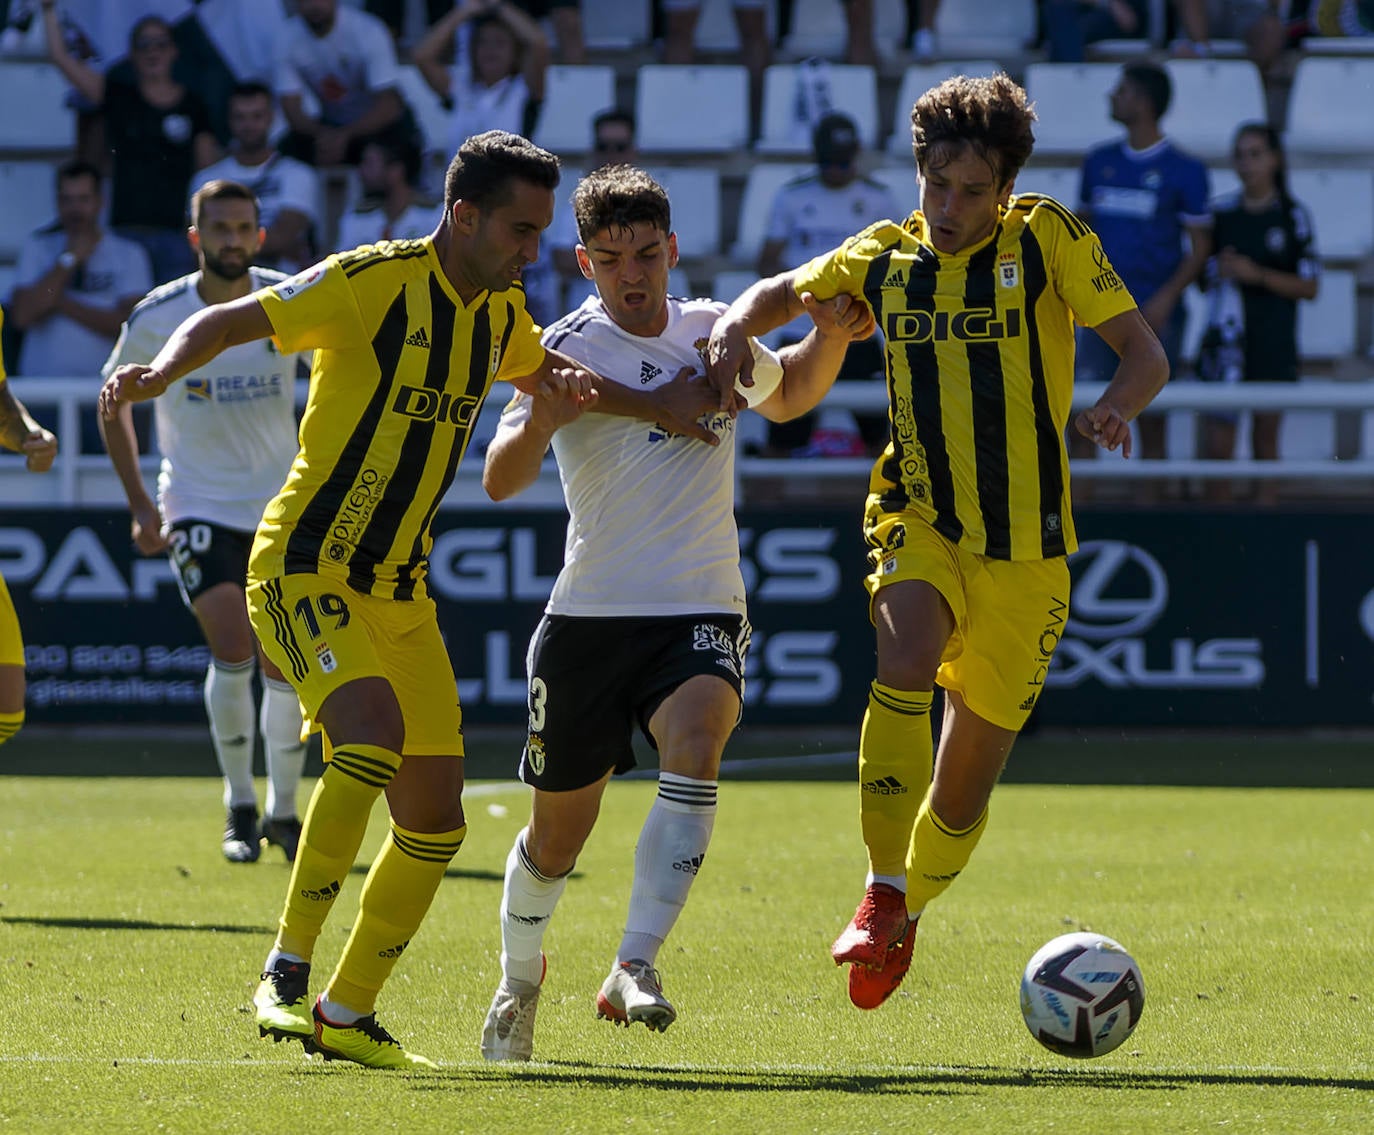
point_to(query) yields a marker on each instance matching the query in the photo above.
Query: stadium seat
(853, 89)
(1326, 325)
(717, 31)
(1059, 182)
(760, 187)
(694, 193)
(616, 26)
(689, 109)
(1328, 108)
(729, 285)
(1211, 98)
(573, 96)
(916, 80)
(901, 183)
(29, 194)
(1307, 435)
(819, 28)
(977, 29)
(46, 122)
(1072, 106)
(1341, 202)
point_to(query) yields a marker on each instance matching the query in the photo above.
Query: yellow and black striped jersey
(401, 368)
(979, 368)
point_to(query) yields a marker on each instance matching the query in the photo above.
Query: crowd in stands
(293, 97)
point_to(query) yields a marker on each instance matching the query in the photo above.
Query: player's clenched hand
(561, 397)
(728, 357)
(39, 447)
(146, 530)
(1106, 426)
(843, 317)
(684, 401)
(133, 382)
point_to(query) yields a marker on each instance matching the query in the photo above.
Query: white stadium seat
(901, 183)
(717, 31)
(852, 89)
(1072, 106)
(818, 28)
(729, 285)
(36, 116)
(916, 80)
(694, 193)
(689, 109)
(573, 96)
(1211, 98)
(615, 25)
(1328, 108)
(979, 28)
(1059, 182)
(29, 193)
(1326, 325)
(1341, 202)
(760, 187)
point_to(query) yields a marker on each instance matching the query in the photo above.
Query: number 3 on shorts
(539, 694)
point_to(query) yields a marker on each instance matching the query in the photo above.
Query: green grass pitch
(129, 951)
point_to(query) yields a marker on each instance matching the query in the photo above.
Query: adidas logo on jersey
(896, 279)
(885, 786)
(648, 372)
(418, 339)
(1028, 704)
(691, 866)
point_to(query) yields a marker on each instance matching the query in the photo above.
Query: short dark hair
(614, 114)
(619, 197)
(71, 170)
(1153, 81)
(144, 22)
(402, 150)
(991, 114)
(251, 90)
(222, 189)
(485, 165)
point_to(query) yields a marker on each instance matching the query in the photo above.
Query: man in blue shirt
(1146, 199)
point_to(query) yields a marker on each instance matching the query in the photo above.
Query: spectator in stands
(811, 215)
(157, 133)
(288, 191)
(1258, 23)
(390, 208)
(1342, 17)
(346, 60)
(564, 15)
(76, 283)
(923, 47)
(1144, 196)
(1070, 25)
(497, 78)
(755, 51)
(613, 143)
(1265, 262)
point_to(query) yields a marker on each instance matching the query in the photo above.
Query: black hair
(485, 165)
(1154, 81)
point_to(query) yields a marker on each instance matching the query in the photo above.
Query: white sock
(229, 704)
(281, 956)
(338, 1014)
(526, 907)
(898, 881)
(671, 849)
(280, 722)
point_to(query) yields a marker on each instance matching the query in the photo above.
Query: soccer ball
(1082, 994)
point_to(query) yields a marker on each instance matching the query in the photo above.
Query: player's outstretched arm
(809, 368)
(198, 340)
(1142, 373)
(764, 306)
(517, 451)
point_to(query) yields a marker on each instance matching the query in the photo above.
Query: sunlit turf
(129, 950)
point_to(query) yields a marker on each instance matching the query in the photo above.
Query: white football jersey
(651, 528)
(227, 432)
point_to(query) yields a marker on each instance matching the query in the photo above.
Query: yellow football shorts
(322, 634)
(1008, 614)
(11, 641)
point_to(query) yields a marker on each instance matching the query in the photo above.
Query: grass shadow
(132, 924)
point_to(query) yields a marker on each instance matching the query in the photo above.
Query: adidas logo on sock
(896, 280)
(885, 786)
(418, 339)
(527, 919)
(691, 866)
(648, 372)
(324, 894)
(394, 951)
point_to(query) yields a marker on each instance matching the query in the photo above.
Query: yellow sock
(938, 854)
(398, 891)
(896, 756)
(10, 724)
(335, 823)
